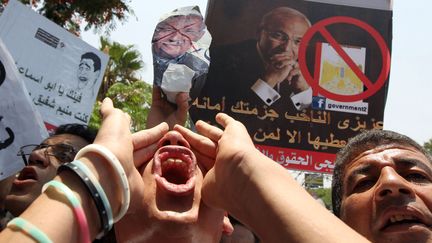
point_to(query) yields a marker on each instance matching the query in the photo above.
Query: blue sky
(409, 99)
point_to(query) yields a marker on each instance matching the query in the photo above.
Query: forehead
(397, 156)
(74, 140)
(180, 21)
(291, 23)
(87, 61)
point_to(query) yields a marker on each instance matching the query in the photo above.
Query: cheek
(424, 193)
(296, 50)
(47, 175)
(357, 212)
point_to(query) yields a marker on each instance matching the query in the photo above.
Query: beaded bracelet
(115, 163)
(95, 190)
(76, 205)
(29, 229)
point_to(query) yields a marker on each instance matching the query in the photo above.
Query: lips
(27, 175)
(402, 219)
(174, 169)
(174, 43)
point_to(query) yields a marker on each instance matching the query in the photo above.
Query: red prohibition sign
(372, 87)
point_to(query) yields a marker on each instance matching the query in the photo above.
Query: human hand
(114, 135)
(144, 145)
(296, 80)
(226, 180)
(112, 138)
(204, 148)
(163, 111)
(278, 68)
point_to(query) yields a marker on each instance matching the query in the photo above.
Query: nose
(176, 35)
(287, 45)
(391, 184)
(37, 157)
(173, 138)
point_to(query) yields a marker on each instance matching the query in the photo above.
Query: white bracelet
(112, 159)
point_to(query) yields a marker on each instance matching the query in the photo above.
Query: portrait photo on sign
(303, 76)
(180, 47)
(88, 72)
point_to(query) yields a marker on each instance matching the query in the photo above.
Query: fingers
(206, 162)
(203, 147)
(106, 106)
(208, 130)
(145, 142)
(224, 120)
(146, 137)
(143, 155)
(282, 61)
(182, 100)
(156, 93)
(293, 72)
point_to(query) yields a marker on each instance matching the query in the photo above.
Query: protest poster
(61, 72)
(20, 123)
(303, 76)
(180, 47)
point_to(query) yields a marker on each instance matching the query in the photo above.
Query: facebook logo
(318, 103)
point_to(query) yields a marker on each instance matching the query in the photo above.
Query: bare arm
(54, 216)
(262, 194)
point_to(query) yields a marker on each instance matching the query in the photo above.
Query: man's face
(387, 195)
(172, 206)
(174, 36)
(42, 167)
(282, 35)
(86, 72)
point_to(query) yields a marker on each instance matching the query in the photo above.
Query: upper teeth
(171, 160)
(400, 217)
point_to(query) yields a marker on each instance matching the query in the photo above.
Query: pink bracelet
(76, 206)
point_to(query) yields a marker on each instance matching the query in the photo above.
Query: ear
(97, 73)
(227, 228)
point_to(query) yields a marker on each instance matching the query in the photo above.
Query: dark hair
(95, 58)
(234, 221)
(357, 145)
(77, 129)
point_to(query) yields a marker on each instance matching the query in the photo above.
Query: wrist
(271, 81)
(242, 181)
(80, 191)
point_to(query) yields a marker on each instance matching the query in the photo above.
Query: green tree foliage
(122, 85)
(428, 146)
(135, 99)
(324, 194)
(123, 66)
(70, 14)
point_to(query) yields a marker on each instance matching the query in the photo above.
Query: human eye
(416, 177)
(277, 35)
(165, 29)
(41, 146)
(363, 184)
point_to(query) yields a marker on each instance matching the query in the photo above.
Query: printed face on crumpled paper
(180, 47)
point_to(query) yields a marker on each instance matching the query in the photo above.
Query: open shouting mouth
(174, 169)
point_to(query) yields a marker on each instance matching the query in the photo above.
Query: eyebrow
(361, 170)
(400, 162)
(83, 63)
(412, 162)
